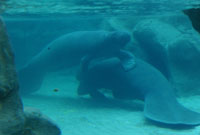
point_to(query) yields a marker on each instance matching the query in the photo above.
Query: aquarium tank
(103, 67)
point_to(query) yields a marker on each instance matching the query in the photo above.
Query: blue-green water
(160, 35)
(106, 7)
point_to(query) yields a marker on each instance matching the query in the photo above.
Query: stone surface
(11, 115)
(11, 109)
(185, 54)
(7, 68)
(39, 124)
(170, 49)
(194, 16)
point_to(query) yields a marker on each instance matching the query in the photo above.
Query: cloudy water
(93, 7)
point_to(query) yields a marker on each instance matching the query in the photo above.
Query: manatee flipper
(85, 62)
(127, 60)
(84, 65)
(169, 111)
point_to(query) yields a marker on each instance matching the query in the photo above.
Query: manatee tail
(30, 80)
(169, 111)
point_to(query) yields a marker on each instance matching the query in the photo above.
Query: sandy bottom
(84, 116)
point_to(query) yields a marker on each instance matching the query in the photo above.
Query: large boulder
(11, 115)
(11, 109)
(194, 16)
(39, 124)
(175, 53)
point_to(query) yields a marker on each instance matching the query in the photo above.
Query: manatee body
(67, 51)
(144, 82)
(153, 37)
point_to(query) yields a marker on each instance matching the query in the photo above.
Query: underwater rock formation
(7, 70)
(11, 109)
(194, 16)
(166, 47)
(13, 121)
(39, 124)
(185, 54)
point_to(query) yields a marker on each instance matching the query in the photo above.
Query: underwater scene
(99, 67)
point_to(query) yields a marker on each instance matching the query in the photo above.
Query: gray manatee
(68, 50)
(144, 82)
(153, 36)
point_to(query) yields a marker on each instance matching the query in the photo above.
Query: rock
(169, 49)
(11, 109)
(194, 16)
(11, 115)
(39, 124)
(185, 54)
(7, 68)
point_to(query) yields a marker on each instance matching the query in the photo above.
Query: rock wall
(172, 51)
(194, 16)
(11, 109)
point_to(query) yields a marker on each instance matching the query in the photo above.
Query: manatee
(153, 36)
(144, 82)
(68, 50)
